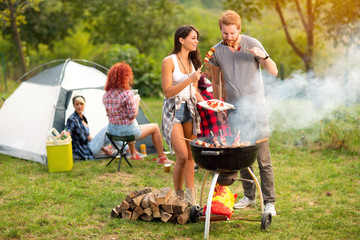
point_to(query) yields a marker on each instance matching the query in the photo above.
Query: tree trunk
(306, 55)
(16, 35)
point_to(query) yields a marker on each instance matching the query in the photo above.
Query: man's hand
(222, 117)
(257, 52)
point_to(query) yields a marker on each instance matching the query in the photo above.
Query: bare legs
(153, 129)
(132, 147)
(184, 165)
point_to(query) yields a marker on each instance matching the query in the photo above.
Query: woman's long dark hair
(183, 32)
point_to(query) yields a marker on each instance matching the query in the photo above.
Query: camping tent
(44, 101)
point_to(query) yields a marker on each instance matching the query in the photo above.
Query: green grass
(317, 194)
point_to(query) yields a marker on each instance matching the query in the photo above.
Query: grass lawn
(317, 194)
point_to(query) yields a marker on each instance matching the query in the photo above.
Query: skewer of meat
(246, 49)
(222, 139)
(215, 140)
(209, 55)
(236, 142)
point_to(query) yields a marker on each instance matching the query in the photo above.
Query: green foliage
(271, 37)
(123, 22)
(307, 22)
(248, 9)
(340, 131)
(146, 71)
(342, 22)
(76, 46)
(51, 22)
(48, 29)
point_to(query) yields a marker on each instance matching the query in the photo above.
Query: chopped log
(155, 210)
(134, 194)
(163, 195)
(148, 211)
(126, 214)
(180, 206)
(133, 205)
(139, 210)
(128, 199)
(169, 205)
(155, 193)
(138, 199)
(173, 219)
(165, 216)
(124, 205)
(114, 213)
(154, 205)
(185, 216)
(118, 209)
(135, 215)
(152, 199)
(146, 218)
(145, 201)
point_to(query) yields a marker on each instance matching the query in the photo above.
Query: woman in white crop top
(180, 73)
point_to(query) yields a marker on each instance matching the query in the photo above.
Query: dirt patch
(115, 177)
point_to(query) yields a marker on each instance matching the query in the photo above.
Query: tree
(51, 22)
(12, 13)
(316, 17)
(141, 23)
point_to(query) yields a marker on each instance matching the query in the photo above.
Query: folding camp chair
(125, 140)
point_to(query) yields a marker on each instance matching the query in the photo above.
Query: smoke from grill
(301, 100)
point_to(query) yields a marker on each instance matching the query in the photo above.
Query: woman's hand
(66, 133)
(195, 76)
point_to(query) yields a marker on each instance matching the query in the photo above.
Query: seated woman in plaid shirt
(122, 107)
(84, 146)
(210, 119)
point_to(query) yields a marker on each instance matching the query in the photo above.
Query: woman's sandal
(135, 156)
(163, 160)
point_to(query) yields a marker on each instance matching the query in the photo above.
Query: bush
(341, 130)
(146, 73)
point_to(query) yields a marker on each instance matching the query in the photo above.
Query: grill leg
(259, 189)
(208, 206)
(202, 187)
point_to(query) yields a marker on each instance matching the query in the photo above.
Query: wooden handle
(262, 140)
(186, 139)
(215, 218)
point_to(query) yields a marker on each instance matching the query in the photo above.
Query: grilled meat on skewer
(222, 139)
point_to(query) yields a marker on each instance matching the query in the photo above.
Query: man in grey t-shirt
(240, 58)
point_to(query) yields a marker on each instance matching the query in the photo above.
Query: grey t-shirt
(244, 88)
(242, 73)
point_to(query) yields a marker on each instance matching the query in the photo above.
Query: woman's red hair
(120, 76)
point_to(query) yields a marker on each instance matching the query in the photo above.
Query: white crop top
(178, 77)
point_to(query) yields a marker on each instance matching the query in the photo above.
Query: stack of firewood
(148, 205)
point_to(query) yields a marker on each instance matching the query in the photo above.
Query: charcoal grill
(225, 162)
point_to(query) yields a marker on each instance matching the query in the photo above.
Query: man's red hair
(120, 76)
(230, 17)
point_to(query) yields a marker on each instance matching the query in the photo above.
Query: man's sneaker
(243, 203)
(270, 208)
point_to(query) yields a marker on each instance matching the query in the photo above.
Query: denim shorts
(183, 114)
(125, 130)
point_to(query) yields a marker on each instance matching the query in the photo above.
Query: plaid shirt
(120, 106)
(79, 136)
(209, 119)
(169, 107)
